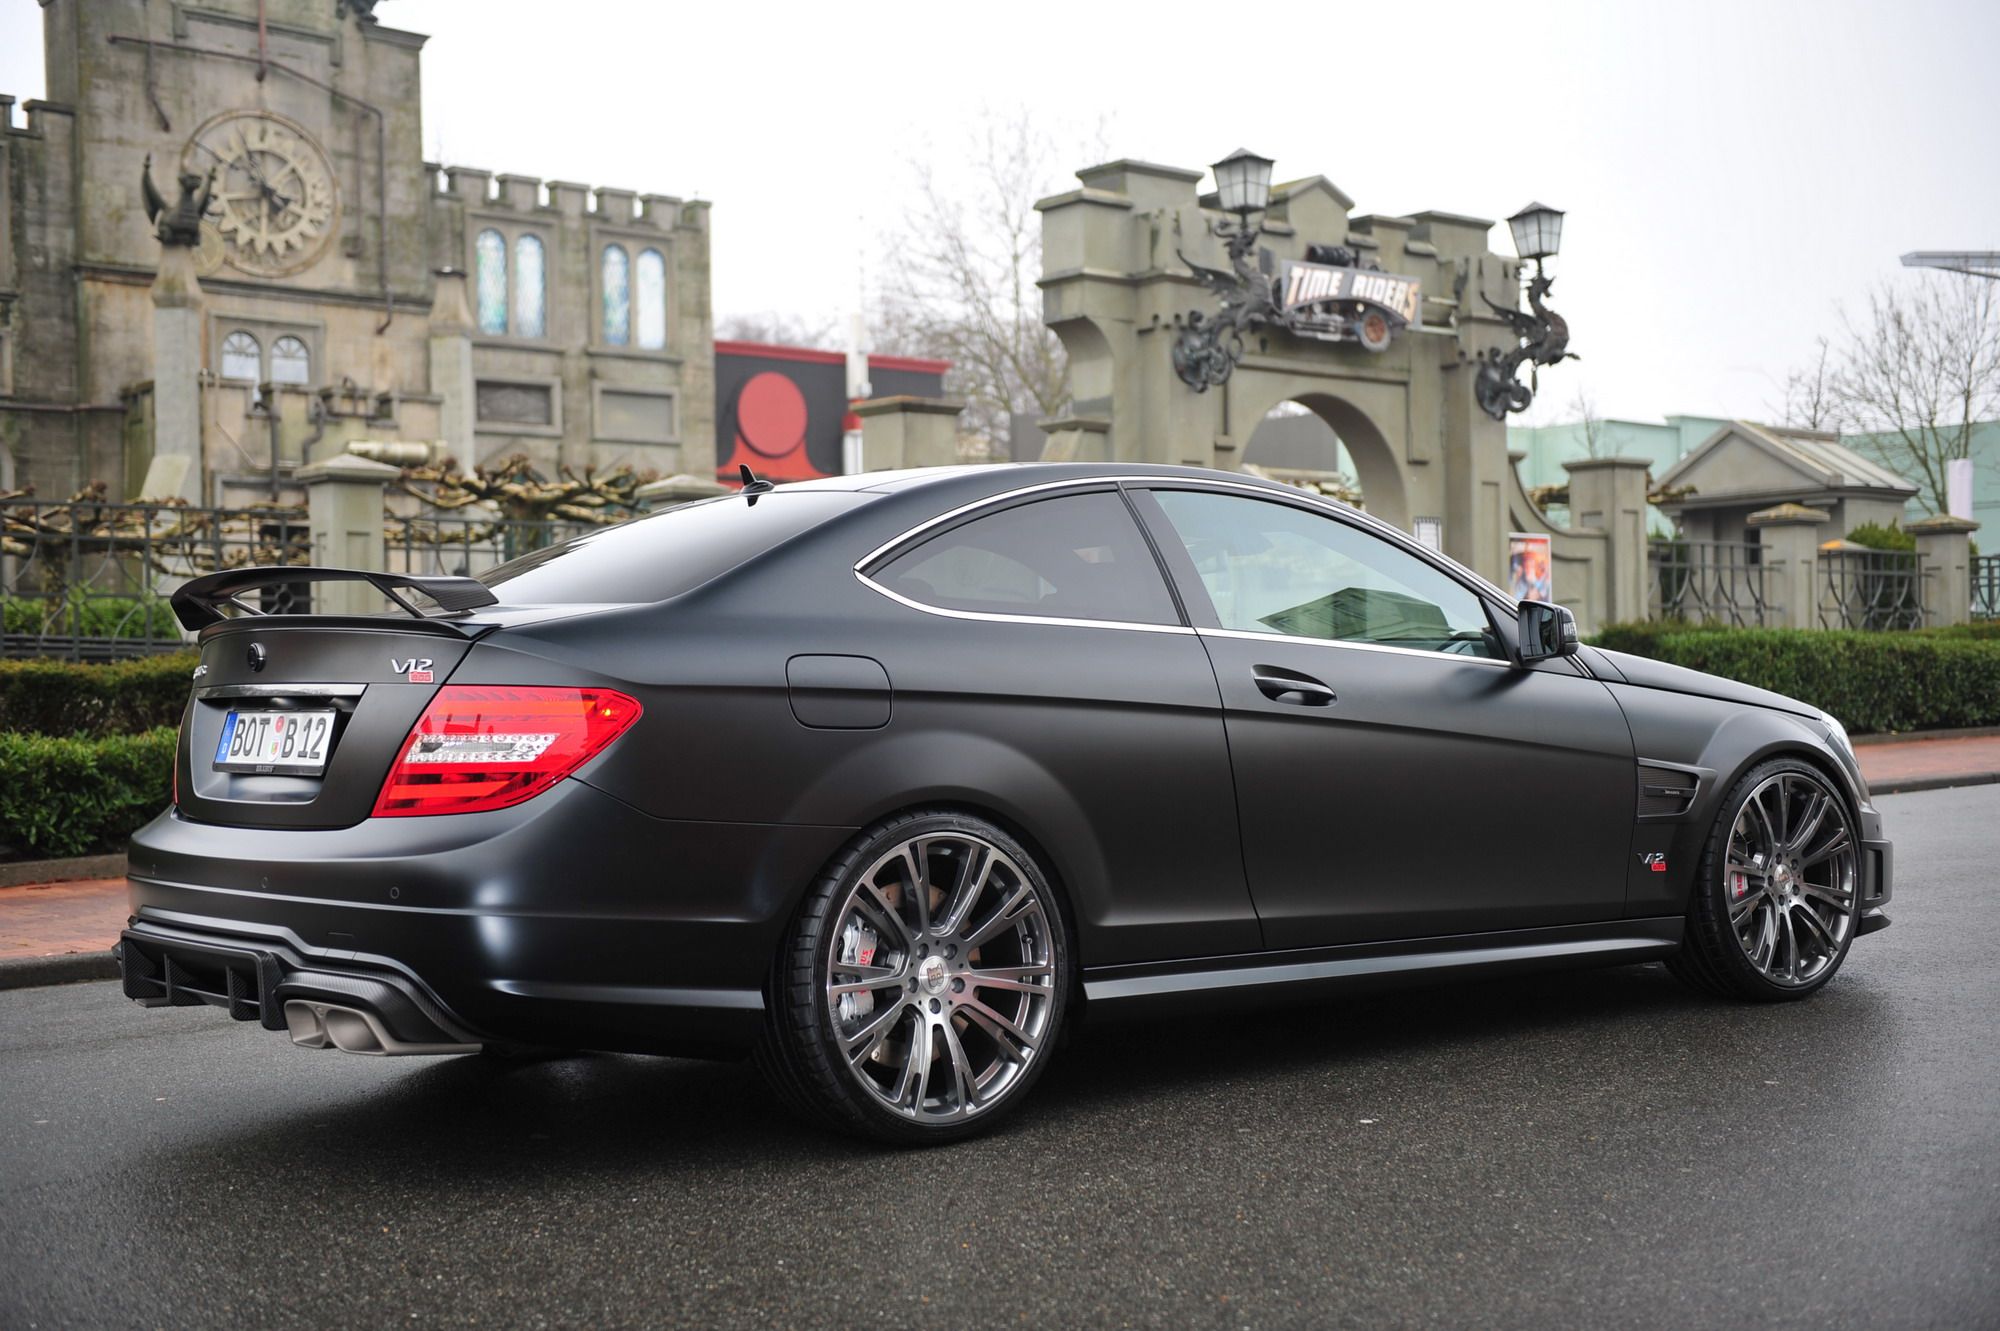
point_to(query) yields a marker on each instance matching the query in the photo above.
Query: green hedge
(90, 617)
(1923, 680)
(71, 796)
(64, 698)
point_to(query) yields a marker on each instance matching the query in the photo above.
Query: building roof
(1818, 460)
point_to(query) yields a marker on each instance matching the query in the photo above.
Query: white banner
(1958, 487)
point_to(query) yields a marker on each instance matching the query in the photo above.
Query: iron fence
(87, 581)
(429, 545)
(1985, 586)
(1712, 582)
(1870, 589)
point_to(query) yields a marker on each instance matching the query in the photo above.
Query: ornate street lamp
(1538, 231)
(1243, 184)
(1541, 335)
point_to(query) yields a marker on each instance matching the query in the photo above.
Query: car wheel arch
(1797, 748)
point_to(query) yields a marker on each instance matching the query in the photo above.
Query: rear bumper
(271, 984)
(573, 920)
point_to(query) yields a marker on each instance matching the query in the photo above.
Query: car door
(1057, 685)
(1396, 775)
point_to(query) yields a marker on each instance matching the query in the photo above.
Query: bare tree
(1589, 422)
(777, 328)
(1917, 371)
(1812, 400)
(960, 275)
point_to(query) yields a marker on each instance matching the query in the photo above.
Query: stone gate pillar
(1609, 494)
(908, 432)
(451, 364)
(1789, 537)
(344, 516)
(1944, 548)
(175, 471)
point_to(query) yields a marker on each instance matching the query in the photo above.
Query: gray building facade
(349, 290)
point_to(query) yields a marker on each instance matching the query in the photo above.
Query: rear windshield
(652, 558)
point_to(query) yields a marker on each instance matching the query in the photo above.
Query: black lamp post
(1541, 336)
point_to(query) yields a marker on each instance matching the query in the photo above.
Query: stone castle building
(348, 290)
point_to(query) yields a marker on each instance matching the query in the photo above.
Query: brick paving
(58, 918)
(1920, 764)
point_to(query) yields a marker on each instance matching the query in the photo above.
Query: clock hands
(279, 202)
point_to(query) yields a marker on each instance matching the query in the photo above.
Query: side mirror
(1545, 631)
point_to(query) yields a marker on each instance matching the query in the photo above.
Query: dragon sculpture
(1542, 339)
(1208, 348)
(179, 224)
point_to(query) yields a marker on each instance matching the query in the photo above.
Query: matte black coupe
(890, 779)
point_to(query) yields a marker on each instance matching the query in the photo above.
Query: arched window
(490, 255)
(651, 300)
(242, 357)
(617, 296)
(530, 289)
(291, 363)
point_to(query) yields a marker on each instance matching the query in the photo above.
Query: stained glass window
(530, 289)
(490, 276)
(242, 358)
(617, 295)
(652, 300)
(291, 363)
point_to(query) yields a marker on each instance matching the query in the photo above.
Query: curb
(1913, 784)
(26, 873)
(61, 968)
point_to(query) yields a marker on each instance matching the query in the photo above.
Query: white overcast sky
(1731, 170)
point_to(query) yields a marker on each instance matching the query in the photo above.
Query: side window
(1273, 568)
(1074, 557)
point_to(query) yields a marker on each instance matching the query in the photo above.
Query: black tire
(840, 930)
(1717, 955)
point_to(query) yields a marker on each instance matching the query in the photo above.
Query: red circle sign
(771, 414)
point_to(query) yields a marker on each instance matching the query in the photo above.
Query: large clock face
(276, 205)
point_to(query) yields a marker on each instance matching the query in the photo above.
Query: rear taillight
(480, 746)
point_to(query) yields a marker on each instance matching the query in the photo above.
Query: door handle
(1288, 686)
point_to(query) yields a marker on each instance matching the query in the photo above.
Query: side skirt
(1212, 983)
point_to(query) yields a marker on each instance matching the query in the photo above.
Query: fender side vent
(1666, 792)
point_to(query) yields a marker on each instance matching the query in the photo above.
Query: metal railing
(82, 580)
(428, 545)
(1869, 589)
(1712, 582)
(1985, 570)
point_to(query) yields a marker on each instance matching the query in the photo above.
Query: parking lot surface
(1585, 1148)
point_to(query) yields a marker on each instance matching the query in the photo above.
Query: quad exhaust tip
(315, 1025)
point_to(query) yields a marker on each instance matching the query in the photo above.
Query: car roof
(947, 488)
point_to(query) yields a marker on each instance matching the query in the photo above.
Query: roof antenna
(753, 485)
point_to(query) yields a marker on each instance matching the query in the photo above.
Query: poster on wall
(1530, 574)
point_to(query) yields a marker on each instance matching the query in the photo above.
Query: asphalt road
(1599, 1148)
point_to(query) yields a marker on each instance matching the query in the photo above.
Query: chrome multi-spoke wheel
(1790, 878)
(940, 976)
(924, 983)
(1774, 907)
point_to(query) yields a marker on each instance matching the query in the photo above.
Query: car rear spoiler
(201, 601)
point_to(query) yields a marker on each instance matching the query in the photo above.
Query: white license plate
(291, 743)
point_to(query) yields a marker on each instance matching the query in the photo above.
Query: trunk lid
(354, 686)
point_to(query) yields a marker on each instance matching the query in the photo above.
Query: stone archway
(1375, 469)
(1117, 289)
